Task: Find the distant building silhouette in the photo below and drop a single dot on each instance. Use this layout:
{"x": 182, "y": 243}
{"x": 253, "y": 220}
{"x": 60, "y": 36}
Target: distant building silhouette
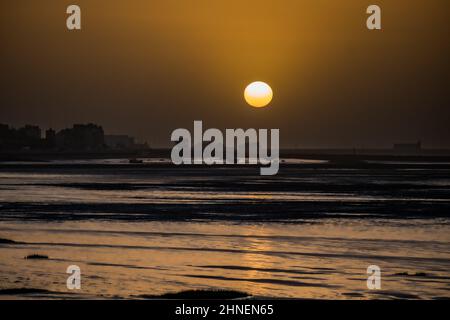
{"x": 30, "y": 133}
{"x": 118, "y": 142}
{"x": 81, "y": 137}
{"x": 6, "y": 135}
{"x": 27, "y": 137}
{"x": 50, "y": 138}
{"x": 408, "y": 147}
{"x": 5, "y": 132}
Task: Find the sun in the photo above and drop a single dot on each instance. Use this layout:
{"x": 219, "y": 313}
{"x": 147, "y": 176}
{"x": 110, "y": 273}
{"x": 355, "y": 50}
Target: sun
{"x": 258, "y": 94}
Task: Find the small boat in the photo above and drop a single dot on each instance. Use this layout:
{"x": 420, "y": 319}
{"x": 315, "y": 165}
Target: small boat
{"x": 134, "y": 161}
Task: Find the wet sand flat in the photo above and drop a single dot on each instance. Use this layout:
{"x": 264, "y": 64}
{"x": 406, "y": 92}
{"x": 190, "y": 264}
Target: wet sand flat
{"x": 310, "y": 232}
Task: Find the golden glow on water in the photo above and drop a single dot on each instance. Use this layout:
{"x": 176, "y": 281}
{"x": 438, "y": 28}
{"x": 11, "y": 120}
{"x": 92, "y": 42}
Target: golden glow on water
{"x": 326, "y": 260}
{"x": 304, "y": 257}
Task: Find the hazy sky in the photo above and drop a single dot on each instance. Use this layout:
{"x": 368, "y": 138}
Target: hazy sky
{"x": 148, "y": 67}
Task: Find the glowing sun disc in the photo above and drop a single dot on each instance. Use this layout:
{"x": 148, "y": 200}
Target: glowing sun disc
{"x": 258, "y": 94}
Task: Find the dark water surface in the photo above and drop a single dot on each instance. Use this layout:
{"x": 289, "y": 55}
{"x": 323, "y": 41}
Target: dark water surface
{"x": 309, "y": 232}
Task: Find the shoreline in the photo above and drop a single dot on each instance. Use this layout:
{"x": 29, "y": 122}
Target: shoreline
{"x": 332, "y": 155}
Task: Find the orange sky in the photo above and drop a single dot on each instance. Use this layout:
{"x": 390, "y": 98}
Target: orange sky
{"x": 149, "y": 67}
